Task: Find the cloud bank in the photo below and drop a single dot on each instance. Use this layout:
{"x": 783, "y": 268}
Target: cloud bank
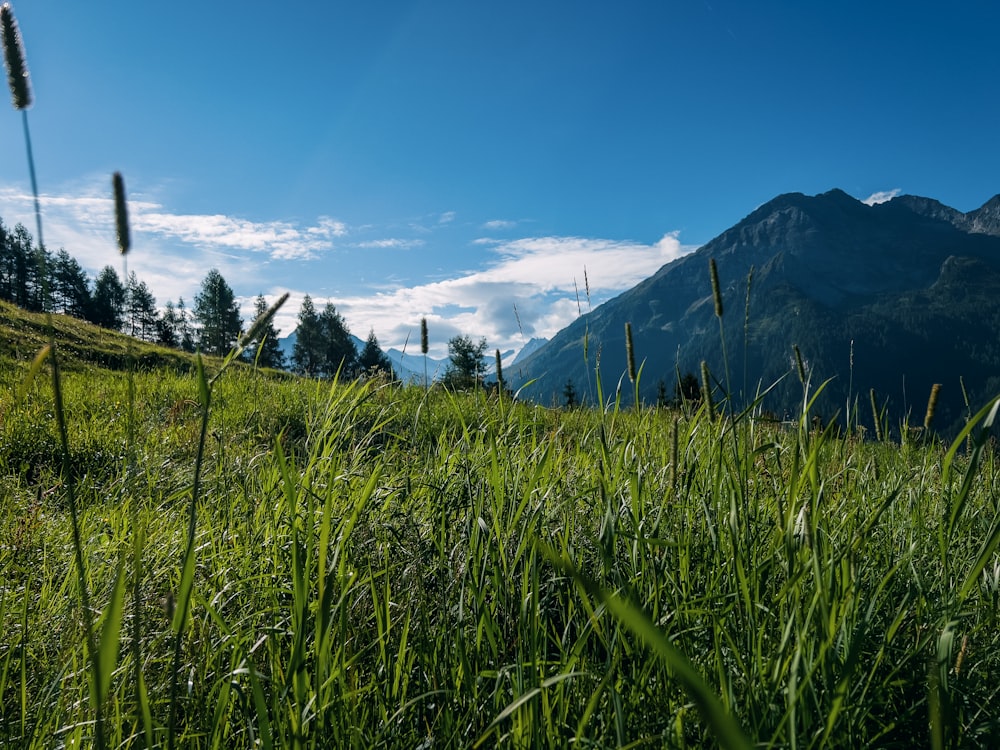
{"x": 507, "y": 291}
{"x": 533, "y": 287}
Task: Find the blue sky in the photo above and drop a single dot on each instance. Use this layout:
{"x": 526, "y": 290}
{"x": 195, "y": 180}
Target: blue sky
{"x": 458, "y": 159}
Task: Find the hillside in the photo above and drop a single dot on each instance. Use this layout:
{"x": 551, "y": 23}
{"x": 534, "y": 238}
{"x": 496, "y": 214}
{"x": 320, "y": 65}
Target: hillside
{"x": 23, "y": 334}
{"x": 910, "y": 285}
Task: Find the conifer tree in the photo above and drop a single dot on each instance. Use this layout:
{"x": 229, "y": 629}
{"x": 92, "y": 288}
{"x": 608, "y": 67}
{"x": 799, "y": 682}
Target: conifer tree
{"x": 307, "y": 354}
{"x": 185, "y": 334}
{"x": 140, "y": 310}
{"x": 167, "y": 332}
{"x": 70, "y": 286}
{"x": 107, "y": 307}
{"x": 265, "y": 349}
{"x": 372, "y": 360}
{"x": 217, "y": 314}
{"x": 339, "y": 352}
{"x": 465, "y": 365}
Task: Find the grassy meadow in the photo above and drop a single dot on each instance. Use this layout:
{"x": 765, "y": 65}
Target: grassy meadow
{"x": 271, "y": 562}
{"x": 209, "y": 555}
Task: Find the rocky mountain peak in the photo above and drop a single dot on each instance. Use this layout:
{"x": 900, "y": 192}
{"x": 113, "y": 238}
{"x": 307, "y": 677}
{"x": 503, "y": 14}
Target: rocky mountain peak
{"x": 910, "y": 286}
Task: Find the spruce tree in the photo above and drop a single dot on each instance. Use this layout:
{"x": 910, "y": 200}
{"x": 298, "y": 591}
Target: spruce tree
{"x": 185, "y": 333}
{"x": 465, "y": 365}
{"x": 107, "y": 307}
{"x": 167, "y": 328}
{"x": 307, "y": 355}
{"x": 265, "y": 350}
{"x": 218, "y": 315}
{"x": 372, "y": 361}
{"x": 339, "y": 352}
{"x": 70, "y": 286}
{"x": 140, "y": 310}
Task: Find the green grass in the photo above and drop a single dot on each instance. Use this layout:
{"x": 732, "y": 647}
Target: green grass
{"x": 377, "y": 566}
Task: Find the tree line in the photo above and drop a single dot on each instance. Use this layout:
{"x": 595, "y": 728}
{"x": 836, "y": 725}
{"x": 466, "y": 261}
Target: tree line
{"x": 37, "y": 280}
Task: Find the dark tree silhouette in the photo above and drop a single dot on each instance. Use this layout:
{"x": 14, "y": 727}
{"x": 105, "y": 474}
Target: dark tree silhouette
{"x": 372, "y": 360}
{"x": 107, "y": 307}
{"x": 167, "y": 327}
{"x": 70, "y": 286}
{"x": 185, "y": 333}
{"x": 465, "y": 365}
{"x": 339, "y": 353}
{"x": 216, "y": 312}
{"x": 687, "y": 389}
{"x": 140, "y": 310}
{"x": 265, "y": 349}
{"x": 569, "y": 395}
{"x": 307, "y": 354}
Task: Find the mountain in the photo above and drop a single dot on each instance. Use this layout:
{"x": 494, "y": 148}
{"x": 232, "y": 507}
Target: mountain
{"x": 896, "y": 297}
{"x": 528, "y": 349}
{"x": 409, "y": 366}
{"x": 287, "y": 345}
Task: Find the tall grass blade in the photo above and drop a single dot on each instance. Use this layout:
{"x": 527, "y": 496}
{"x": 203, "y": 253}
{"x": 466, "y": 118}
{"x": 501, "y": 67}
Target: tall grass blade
{"x": 725, "y": 728}
{"x": 29, "y": 377}
{"x": 107, "y": 649}
{"x": 987, "y": 415}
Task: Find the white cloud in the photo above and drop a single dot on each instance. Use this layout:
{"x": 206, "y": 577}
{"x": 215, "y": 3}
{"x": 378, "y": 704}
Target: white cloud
{"x": 281, "y": 240}
{"x": 539, "y": 275}
{"x": 499, "y": 224}
{"x": 392, "y": 243}
{"x": 447, "y": 217}
{"x": 881, "y": 196}
{"x": 172, "y": 252}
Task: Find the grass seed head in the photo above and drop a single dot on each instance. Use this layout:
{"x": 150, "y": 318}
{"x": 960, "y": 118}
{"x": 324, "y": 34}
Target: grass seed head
{"x": 706, "y": 389}
{"x": 716, "y": 289}
{"x": 14, "y": 59}
{"x": 799, "y": 364}
{"x": 121, "y": 214}
{"x": 931, "y": 405}
{"x": 499, "y": 371}
{"x": 629, "y": 352}
{"x": 876, "y": 416}
{"x": 424, "y": 341}
{"x": 261, "y": 323}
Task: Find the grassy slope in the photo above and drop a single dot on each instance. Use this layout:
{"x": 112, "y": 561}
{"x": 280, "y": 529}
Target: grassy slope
{"x": 388, "y": 577}
{"x": 22, "y": 334}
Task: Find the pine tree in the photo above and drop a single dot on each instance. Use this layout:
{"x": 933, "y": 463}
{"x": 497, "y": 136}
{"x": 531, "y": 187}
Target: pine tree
{"x": 7, "y": 264}
{"x": 29, "y": 271}
{"x": 185, "y": 334}
{"x": 372, "y": 361}
{"x": 167, "y": 326}
{"x": 465, "y": 366}
{"x": 569, "y": 395}
{"x": 140, "y": 310}
{"x": 307, "y": 354}
{"x": 70, "y": 286}
{"x": 265, "y": 350}
{"x": 217, "y": 314}
{"x": 339, "y": 352}
{"x": 107, "y": 307}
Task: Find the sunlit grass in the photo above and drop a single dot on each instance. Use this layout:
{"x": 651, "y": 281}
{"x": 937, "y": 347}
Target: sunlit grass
{"x": 384, "y": 566}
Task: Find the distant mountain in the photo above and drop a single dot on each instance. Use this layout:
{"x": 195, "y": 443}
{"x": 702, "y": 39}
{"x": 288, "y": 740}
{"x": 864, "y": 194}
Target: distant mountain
{"x": 895, "y": 297}
{"x": 528, "y": 349}
{"x": 287, "y": 345}
{"x": 409, "y": 366}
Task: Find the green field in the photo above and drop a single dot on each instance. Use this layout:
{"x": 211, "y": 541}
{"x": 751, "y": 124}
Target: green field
{"x": 372, "y": 565}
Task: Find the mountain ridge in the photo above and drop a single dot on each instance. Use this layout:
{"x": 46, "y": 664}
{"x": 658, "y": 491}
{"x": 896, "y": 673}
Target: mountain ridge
{"x": 831, "y": 274}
